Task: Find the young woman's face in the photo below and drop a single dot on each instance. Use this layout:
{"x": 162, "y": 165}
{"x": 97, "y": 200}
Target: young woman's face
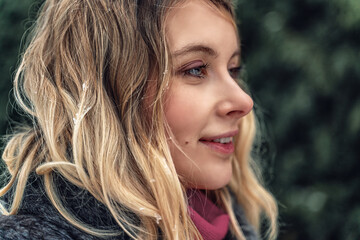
{"x": 204, "y": 102}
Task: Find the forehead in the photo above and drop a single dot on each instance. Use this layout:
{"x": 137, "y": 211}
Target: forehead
{"x": 198, "y": 21}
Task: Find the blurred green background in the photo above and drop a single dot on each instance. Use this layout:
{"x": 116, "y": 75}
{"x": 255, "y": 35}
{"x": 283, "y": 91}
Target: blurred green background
{"x": 303, "y": 69}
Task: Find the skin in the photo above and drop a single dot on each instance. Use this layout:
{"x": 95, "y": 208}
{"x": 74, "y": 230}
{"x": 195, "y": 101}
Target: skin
{"x": 204, "y": 100}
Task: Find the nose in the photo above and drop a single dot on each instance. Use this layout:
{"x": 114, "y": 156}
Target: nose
{"x": 235, "y": 102}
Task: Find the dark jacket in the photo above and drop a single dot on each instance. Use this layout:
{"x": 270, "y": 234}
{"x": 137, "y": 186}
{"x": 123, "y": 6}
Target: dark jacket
{"x": 38, "y": 219}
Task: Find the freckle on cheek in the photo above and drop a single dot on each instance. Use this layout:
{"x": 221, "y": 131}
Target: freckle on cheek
{"x": 186, "y": 142}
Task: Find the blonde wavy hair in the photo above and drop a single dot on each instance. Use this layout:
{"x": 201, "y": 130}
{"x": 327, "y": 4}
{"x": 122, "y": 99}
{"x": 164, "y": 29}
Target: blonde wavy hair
{"x": 82, "y": 80}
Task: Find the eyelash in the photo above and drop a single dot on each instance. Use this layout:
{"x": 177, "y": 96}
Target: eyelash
{"x": 203, "y": 71}
{"x": 235, "y": 72}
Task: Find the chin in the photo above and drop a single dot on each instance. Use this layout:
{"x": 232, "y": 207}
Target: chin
{"x": 211, "y": 183}
{"x": 216, "y": 185}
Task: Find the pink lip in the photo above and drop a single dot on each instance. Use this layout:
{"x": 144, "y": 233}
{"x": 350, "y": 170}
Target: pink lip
{"x": 228, "y": 134}
{"x": 223, "y": 148}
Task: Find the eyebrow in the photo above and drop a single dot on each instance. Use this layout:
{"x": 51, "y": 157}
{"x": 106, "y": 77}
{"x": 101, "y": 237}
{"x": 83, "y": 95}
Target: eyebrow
{"x": 201, "y": 48}
{"x": 195, "y": 48}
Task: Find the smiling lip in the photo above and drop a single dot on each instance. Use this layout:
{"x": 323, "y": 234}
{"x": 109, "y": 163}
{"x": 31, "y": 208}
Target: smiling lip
{"x": 223, "y": 148}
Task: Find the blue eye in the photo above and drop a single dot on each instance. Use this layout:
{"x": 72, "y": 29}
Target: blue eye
{"x": 236, "y": 72}
{"x": 199, "y": 72}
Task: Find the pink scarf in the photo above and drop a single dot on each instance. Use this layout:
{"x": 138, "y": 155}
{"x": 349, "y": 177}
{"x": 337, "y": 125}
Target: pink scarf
{"x": 211, "y": 221}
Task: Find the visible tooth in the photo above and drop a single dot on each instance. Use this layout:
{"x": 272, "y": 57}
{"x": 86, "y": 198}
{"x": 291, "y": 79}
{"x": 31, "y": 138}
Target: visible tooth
{"x": 223, "y": 140}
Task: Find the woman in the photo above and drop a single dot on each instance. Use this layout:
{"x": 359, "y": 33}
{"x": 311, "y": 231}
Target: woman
{"x": 139, "y": 127}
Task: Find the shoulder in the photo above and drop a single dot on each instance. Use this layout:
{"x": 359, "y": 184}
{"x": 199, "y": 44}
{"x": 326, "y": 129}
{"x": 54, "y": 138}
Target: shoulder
{"x": 26, "y": 227}
{"x": 30, "y": 227}
{"x": 38, "y": 218}
{"x": 246, "y": 227}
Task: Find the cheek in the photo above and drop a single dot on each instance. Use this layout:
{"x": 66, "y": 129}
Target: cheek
{"x": 179, "y": 115}
{"x": 183, "y": 113}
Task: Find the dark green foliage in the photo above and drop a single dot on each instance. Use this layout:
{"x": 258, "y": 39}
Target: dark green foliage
{"x": 16, "y": 17}
{"x": 303, "y": 62}
{"x": 303, "y": 67}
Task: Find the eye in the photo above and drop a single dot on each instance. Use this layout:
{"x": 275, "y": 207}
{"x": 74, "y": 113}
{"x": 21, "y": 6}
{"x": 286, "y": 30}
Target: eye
{"x": 236, "y": 72}
{"x": 197, "y": 71}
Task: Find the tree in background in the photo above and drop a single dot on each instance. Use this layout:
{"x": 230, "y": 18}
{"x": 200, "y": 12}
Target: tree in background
{"x": 303, "y": 69}
{"x": 303, "y": 60}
